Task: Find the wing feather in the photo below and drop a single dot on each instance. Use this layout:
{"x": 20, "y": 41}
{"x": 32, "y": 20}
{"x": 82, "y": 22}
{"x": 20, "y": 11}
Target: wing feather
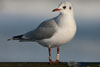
{"x": 45, "y": 30}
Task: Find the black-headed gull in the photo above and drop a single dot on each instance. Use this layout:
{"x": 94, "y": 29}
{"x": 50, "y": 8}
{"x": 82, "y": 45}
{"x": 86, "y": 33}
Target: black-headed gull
{"x": 53, "y": 32}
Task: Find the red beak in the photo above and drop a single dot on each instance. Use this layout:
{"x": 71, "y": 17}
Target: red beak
{"x": 56, "y": 10}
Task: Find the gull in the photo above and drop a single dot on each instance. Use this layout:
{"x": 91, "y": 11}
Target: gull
{"x": 53, "y": 32}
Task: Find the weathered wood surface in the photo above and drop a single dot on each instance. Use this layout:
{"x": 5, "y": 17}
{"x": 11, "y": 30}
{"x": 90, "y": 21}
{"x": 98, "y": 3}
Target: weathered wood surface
{"x": 45, "y": 64}
{"x": 31, "y": 64}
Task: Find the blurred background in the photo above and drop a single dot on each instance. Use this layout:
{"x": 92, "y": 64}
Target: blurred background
{"x": 20, "y": 16}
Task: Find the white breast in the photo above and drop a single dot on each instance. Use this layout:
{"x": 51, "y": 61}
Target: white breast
{"x": 65, "y": 32}
{"x": 66, "y": 29}
{"x": 63, "y": 35}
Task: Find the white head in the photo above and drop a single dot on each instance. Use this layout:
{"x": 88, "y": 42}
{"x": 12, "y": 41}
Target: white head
{"x": 65, "y": 8}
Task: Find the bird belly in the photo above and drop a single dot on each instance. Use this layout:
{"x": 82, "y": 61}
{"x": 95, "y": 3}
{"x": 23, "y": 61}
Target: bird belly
{"x": 61, "y": 37}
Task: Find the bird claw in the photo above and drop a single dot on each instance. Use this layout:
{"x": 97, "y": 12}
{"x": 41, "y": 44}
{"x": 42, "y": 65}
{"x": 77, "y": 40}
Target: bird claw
{"x": 56, "y": 62}
{"x": 53, "y": 62}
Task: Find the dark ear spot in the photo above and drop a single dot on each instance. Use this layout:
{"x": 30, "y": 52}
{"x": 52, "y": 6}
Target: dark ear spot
{"x": 70, "y": 7}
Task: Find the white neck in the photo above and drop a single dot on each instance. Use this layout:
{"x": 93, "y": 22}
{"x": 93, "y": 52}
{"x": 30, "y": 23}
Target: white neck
{"x": 65, "y": 19}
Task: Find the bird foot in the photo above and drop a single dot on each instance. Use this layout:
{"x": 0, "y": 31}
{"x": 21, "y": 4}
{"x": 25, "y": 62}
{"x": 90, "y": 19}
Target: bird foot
{"x": 56, "y": 62}
{"x": 51, "y": 62}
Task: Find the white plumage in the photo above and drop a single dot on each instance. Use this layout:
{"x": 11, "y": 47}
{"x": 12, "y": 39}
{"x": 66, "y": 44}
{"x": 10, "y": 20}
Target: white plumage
{"x": 53, "y": 32}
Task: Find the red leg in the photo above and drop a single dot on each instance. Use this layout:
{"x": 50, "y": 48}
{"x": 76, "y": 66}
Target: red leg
{"x": 50, "y": 57}
{"x": 57, "y": 57}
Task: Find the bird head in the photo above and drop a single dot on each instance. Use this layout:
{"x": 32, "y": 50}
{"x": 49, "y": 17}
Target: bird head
{"x": 64, "y": 8}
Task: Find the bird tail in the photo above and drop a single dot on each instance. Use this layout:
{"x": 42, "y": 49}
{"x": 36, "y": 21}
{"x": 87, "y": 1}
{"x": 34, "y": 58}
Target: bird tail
{"x": 19, "y": 37}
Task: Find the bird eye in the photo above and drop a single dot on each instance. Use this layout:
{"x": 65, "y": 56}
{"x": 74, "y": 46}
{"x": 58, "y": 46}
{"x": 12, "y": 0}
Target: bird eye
{"x": 64, "y": 7}
{"x": 70, "y": 8}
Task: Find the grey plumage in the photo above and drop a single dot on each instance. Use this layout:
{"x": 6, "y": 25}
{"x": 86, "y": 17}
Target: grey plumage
{"x": 54, "y": 32}
{"x": 45, "y": 30}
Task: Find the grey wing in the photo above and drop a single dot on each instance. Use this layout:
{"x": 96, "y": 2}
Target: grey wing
{"x": 45, "y": 30}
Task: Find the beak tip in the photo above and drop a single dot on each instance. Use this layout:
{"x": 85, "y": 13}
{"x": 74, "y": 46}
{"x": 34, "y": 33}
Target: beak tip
{"x": 56, "y": 10}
